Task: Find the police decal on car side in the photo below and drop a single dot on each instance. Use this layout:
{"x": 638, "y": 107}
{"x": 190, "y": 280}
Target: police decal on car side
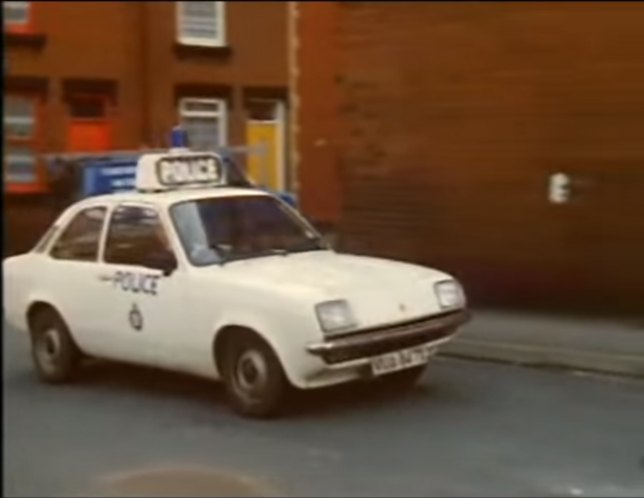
{"x": 136, "y": 282}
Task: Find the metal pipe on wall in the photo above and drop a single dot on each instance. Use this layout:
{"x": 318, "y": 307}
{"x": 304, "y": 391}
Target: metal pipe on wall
{"x": 292, "y": 47}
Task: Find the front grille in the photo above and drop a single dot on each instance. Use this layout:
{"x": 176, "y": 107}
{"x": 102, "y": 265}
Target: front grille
{"x": 375, "y": 349}
{"x": 388, "y": 345}
{"x": 419, "y": 323}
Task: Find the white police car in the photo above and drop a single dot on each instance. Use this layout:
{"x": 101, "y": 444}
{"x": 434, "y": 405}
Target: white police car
{"x": 188, "y": 274}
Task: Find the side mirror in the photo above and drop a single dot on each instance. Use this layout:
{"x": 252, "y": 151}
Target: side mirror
{"x": 166, "y": 262}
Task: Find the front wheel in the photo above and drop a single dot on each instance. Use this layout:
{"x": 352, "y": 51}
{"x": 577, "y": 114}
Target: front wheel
{"x": 254, "y": 378}
{"x": 55, "y": 354}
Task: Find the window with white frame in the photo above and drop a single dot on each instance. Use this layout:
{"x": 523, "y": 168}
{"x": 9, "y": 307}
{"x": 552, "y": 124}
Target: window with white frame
{"x": 19, "y": 139}
{"x": 15, "y": 14}
{"x": 204, "y": 121}
{"x": 201, "y": 23}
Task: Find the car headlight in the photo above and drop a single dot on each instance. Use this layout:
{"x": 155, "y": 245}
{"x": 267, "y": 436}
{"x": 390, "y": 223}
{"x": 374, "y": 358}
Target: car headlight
{"x": 449, "y": 294}
{"x": 335, "y": 316}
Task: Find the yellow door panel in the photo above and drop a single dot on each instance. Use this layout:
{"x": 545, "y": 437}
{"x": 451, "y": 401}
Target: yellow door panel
{"x": 263, "y": 164}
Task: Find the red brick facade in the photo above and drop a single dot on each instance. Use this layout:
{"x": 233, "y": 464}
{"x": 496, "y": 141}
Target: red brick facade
{"x": 445, "y": 122}
{"x": 128, "y": 58}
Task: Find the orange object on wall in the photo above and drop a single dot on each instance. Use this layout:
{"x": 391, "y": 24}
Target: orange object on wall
{"x": 89, "y": 129}
{"x": 88, "y": 136}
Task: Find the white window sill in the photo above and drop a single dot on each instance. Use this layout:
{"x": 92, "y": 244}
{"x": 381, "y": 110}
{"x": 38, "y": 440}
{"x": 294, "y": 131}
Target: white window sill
{"x": 200, "y": 42}
{"x": 185, "y": 50}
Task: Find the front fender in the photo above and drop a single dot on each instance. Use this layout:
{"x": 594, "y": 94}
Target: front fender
{"x": 288, "y": 336}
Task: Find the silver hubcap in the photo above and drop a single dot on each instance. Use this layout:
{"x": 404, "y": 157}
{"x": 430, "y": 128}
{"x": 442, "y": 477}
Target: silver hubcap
{"x": 251, "y": 374}
{"x": 48, "y": 348}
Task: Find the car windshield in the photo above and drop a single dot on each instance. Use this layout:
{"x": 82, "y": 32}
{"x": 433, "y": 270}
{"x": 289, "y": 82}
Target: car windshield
{"x": 221, "y": 229}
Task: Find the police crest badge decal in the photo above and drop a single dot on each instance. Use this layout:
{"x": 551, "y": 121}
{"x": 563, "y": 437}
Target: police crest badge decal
{"x": 136, "y": 318}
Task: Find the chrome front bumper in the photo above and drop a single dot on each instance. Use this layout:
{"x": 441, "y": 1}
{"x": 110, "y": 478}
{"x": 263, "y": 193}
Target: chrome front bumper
{"x": 381, "y": 340}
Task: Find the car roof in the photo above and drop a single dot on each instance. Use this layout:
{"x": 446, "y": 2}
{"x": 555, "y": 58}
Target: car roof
{"x": 170, "y": 197}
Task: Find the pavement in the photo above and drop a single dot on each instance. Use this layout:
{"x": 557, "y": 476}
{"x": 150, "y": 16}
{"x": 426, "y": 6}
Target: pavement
{"x": 608, "y": 346}
{"x": 468, "y": 429}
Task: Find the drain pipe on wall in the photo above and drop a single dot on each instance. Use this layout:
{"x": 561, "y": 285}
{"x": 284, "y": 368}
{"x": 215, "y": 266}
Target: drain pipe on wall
{"x": 293, "y": 72}
{"x": 144, "y": 14}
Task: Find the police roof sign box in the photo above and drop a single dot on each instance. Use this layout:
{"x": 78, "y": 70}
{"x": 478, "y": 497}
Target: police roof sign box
{"x": 179, "y": 169}
{"x": 159, "y": 170}
{"x": 186, "y": 170}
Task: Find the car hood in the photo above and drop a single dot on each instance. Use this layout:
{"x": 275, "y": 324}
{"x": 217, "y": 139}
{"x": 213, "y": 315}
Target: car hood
{"x": 378, "y": 290}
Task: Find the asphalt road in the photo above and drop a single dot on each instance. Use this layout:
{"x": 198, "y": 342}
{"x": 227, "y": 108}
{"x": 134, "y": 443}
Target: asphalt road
{"x": 470, "y": 429}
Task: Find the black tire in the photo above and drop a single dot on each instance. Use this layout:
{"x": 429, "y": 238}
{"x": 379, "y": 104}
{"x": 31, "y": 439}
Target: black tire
{"x": 255, "y": 382}
{"x": 55, "y": 355}
{"x": 404, "y": 379}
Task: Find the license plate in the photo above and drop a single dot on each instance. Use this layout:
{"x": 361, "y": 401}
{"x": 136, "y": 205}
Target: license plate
{"x": 399, "y": 360}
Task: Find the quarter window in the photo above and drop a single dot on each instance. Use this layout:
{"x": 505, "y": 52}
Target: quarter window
{"x": 204, "y": 121}
{"x": 135, "y": 236}
{"x": 201, "y": 23}
{"x": 80, "y": 239}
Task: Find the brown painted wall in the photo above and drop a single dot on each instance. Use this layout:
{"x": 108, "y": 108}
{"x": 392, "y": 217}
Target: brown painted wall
{"x": 453, "y": 115}
{"x": 132, "y": 46}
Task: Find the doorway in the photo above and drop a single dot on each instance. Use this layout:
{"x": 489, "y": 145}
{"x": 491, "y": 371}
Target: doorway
{"x": 265, "y": 137}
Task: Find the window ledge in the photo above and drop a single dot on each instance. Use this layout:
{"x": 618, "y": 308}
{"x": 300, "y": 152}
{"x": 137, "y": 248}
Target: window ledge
{"x": 25, "y": 188}
{"x": 26, "y": 39}
{"x": 183, "y": 49}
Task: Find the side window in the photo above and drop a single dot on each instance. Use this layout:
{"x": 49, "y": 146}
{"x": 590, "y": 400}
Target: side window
{"x": 80, "y": 238}
{"x": 136, "y": 237}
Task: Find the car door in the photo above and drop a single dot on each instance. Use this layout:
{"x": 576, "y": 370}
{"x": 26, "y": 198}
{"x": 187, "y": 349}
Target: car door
{"x": 142, "y": 287}
{"x": 68, "y": 272}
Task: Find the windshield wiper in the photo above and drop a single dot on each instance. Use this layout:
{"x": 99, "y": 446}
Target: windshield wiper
{"x": 252, "y": 255}
{"x": 316, "y": 244}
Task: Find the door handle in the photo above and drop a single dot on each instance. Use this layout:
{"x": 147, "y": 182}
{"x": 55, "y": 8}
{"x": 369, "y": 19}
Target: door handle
{"x": 105, "y": 278}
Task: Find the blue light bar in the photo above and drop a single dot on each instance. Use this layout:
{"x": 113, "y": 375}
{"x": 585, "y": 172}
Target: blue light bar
{"x": 178, "y": 138}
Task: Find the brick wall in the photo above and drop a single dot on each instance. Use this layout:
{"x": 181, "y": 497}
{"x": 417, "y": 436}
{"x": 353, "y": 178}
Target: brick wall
{"x": 131, "y": 49}
{"x": 452, "y": 116}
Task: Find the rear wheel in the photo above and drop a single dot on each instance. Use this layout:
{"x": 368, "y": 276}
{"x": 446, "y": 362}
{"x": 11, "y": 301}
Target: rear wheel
{"x": 55, "y": 354}
{"x": 254, "y": 378}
